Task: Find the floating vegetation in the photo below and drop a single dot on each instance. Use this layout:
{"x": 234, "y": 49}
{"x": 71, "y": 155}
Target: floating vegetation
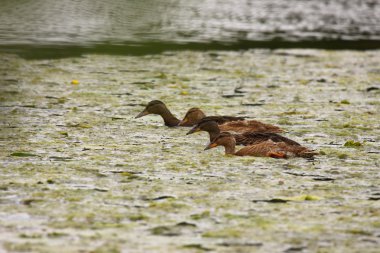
{"x": 298, "y": 198}
{"x": 80, "y": 174}
{"x": 23, "y": 154}
{"x": 352, "y": 144}
{"x": 75, "y": 82}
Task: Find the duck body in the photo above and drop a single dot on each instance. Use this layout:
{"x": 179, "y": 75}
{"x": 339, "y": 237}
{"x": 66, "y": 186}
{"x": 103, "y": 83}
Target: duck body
{"x": 273, "y": 149}
{"x": 266, "y": 148}
{"x": 222, "y": 119}
{"x": 256, "y": 138}
{"x": 228, "y": 123}
{"x": 244, "y": 126}
{"x": 247, "y": 138}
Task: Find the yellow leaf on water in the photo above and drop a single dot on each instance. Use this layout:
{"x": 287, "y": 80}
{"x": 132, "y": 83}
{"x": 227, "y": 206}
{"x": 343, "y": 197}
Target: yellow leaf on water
{"x": 312, "y": 197}
{"x": 304, "y": 197}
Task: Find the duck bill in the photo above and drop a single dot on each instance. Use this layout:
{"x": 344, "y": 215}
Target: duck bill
{"x": 211, "y": 145}
{"x": 184, "y": 122}
{"x": 193, "y": 130}
{"x": 142, "y": 114}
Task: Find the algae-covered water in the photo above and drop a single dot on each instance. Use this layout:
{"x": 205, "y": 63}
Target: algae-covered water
{"x": 80, "y": 174}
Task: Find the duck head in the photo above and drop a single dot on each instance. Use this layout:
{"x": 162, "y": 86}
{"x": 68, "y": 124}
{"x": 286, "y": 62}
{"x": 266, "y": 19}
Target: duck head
{"x": 192, "y": 117}
{"x": 209, "y": 126}
{"x": 159, "y": 108}
{"x": 224, "y": 139}
{"x": 153, "y": 107}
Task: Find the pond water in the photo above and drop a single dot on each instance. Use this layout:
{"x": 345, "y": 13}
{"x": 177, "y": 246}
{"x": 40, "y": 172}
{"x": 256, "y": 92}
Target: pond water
{"x": 139, "y": 26}
{"x": 80, "y": 174}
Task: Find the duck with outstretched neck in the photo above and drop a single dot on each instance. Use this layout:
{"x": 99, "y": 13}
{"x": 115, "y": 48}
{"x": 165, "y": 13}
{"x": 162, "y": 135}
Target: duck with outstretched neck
{"x": 248, "y": 138}
{"x": 264, "y": 149}
{"x": 159, "y": 108}
{"x": 195, "y": 116}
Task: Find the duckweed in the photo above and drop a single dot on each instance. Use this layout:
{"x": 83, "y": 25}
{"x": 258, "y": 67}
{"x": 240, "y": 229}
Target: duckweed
{"x": 80, "y": 174}
{"x": 352, "y": 143}
{"x": 224, "y": 233}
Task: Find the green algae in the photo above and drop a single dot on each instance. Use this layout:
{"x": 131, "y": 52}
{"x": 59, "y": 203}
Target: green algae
{"x": 23, "y": 154}
{"x": 84, "y": 168}
{"x": 352, "y": 144}
{"x": 224, "y": 233}
{"x": 199, "y": 216}
{"x": 197, "y": 247}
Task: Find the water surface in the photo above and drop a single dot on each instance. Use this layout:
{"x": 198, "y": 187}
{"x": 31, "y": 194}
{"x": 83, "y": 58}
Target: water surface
{"x": 121, "y": 26}
{"x": 80, "y": 173}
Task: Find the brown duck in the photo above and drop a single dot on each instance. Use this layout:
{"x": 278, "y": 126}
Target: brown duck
{"x": 159, "y": 108}
{"x": 248, "y": 138}
{"x": 265, "y": 149}
{"x": 228, "y": 123}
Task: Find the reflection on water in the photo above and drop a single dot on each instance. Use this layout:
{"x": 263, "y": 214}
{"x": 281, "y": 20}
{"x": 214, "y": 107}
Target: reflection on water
{"x": 90, "y": 22}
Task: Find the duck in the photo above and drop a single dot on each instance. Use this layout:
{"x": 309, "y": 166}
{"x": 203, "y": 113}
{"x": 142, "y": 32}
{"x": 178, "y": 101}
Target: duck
{"x": 159, "y": 108}
{"x": 195, "y": 116}
{"x": 267, "y": 148}
{"x": 247, "y": 138}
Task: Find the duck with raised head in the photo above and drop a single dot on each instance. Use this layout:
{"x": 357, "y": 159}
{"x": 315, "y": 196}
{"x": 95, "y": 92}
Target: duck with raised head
{"x": 264, "y": 149}
{"x": 159, "y": 108}
{"x": 228, "y": 123}
{"x": 248, "y": 138}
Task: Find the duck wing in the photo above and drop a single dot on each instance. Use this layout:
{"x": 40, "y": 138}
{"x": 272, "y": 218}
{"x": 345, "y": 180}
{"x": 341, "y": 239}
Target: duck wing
{"x": 221, "y": 119}
{"x": 255, "y": 138}
{"x": 292, "y": 150}
{"x": 244, "y": 126}
{"x": 260, "y": 149}
{"x": 276, "y": 150}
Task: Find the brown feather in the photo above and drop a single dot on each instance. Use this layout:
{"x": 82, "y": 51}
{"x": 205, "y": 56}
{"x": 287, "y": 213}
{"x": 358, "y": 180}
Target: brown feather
{"x": 255, "y": 138}
{"x": 266, "y": 148}
{"x": 244, "y": 126}
{"x": 222, "y": 119}
{"x": 269, "y": 147}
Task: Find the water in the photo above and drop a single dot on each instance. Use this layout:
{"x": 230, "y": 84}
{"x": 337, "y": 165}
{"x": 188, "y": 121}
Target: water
{"x": 79, "y": 173}
{"x": 92, "y": 178}
{"x": 123, "y": 26}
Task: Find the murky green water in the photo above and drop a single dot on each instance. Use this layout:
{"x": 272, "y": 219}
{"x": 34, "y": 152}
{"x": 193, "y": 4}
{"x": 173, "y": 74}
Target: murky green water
{"x": 80, "y": 174}
{"x": 93, "y": 21}
{"x": 44, "y": 28}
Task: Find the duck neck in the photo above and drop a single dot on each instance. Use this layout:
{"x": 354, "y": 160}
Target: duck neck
{"x": 169, "y": 119}
{"x": 214, "y": 132}
{"x": 230, "y": 148}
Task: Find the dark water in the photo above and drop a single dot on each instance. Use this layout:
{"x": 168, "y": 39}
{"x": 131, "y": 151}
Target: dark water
{"x": 139, "y": 26}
